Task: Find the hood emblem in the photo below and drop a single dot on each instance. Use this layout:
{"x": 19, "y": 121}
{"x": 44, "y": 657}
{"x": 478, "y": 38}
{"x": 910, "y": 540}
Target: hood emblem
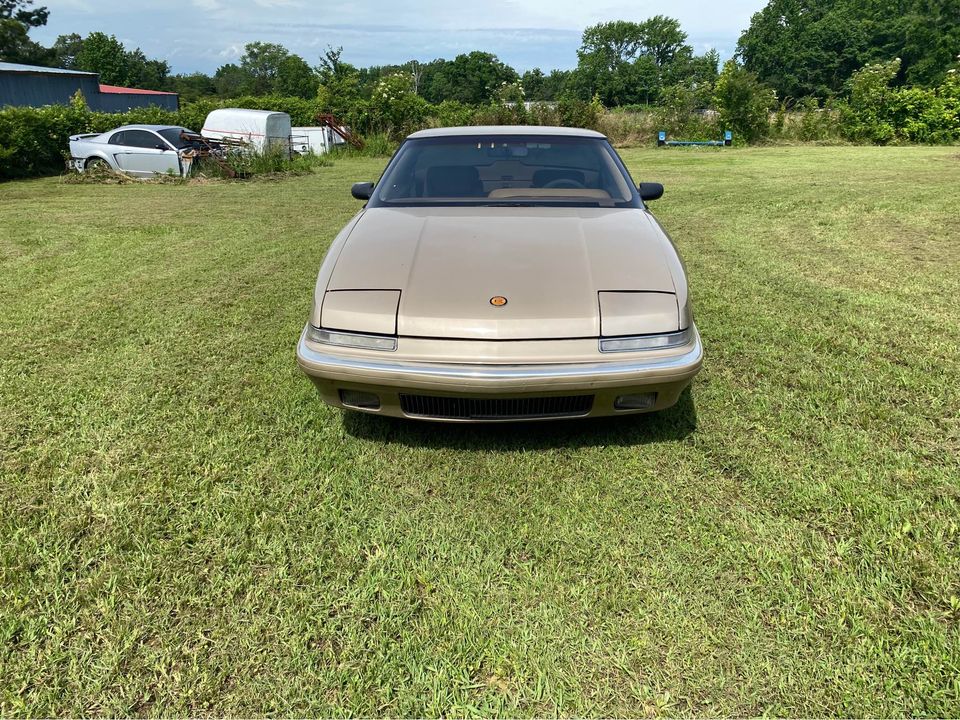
{"x": 498, "y": 301}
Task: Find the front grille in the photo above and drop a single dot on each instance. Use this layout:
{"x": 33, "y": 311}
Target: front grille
{"x": 456, "y": 408}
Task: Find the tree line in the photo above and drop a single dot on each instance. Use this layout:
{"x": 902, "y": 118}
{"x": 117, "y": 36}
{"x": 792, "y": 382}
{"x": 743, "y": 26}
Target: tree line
{"x": 886, "y": 71}
{"x": 620, "y": 62}
{"x": 799, "y": 48}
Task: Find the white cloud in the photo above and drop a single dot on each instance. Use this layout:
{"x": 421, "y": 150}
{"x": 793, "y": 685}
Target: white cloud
{"x": 231, "y": 52}
{"x": 274, "y": 4}
{"x": 208, "y": 5}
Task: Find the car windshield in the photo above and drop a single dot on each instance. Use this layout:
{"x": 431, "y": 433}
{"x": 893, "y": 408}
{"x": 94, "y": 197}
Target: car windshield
{"x": 506, "y": 170}
{"x": 172, "y": 136}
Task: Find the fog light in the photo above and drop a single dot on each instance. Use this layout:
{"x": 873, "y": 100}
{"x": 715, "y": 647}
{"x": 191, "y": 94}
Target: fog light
{"x": 359, "y": 399}
{"x": 640, "y": 401}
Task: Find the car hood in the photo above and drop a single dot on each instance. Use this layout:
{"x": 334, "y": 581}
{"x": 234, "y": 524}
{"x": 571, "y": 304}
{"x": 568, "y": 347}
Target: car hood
{"x": 549, "y": 263}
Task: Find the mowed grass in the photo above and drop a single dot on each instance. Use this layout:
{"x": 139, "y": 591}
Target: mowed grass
{"x": 186, "y": 530}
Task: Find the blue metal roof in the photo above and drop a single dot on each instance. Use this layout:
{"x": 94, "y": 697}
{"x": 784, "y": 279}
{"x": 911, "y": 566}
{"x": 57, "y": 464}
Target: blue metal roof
{"x": 17, "y": 67}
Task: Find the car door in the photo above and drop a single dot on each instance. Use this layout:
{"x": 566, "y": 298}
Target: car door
{"x": 144, "y": 153}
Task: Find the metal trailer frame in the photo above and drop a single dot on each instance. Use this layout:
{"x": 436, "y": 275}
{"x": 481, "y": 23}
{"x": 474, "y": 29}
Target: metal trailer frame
{"x": 663, "y": 142}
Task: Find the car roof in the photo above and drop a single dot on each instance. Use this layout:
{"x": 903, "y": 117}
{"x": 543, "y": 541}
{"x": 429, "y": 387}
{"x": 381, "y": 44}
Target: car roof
{"x": 146, "y": 127}
{"x": 505, "y": 130}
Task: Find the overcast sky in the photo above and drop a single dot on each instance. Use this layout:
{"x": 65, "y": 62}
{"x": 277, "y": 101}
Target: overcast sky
{"x": 204, "y": 34}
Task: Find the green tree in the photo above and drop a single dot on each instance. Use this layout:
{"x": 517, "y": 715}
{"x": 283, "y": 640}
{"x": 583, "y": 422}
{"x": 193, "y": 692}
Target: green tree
{"x": 17, "y": 18}
{"x": 23, "y": 12}
{"x": 930, "y": 33}
{"x": 744, "y": 103}
{"x": 296, "y": 78}
{"x": 230, "y": 80}
{"x": 143, "y": 72}
{"x": 534, "y": 84}
{"x": 696, "y": 73}
{"x": 627, "y": 62}
{"x": 865, "y": 117}
{"x": 662, "y": 39}
{"x": 880, "y": 113}
{"x": 261, "y": 62}
{"x": 104, "y": 54}
{"x": 340, "y": 85}
{"x": 812, "y": 47}
{"x": 65, "y": 50}
{"x": 803, "y": 47}
{"x": 395, "y": 107}
{"x": 555, "y": 85}
{"x": 538, "y": 87}
{"x": 472, "y": 78}
{"x": 192, "y": 87}
{"x": 676, "y": 111}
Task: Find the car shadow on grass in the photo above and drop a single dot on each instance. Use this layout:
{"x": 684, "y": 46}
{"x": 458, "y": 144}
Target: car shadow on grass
{"x": 672, "y": 424}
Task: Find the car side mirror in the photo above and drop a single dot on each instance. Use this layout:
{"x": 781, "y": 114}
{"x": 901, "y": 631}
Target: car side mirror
{"x": 362, "y": 190}
{"x": 650, "y": 191}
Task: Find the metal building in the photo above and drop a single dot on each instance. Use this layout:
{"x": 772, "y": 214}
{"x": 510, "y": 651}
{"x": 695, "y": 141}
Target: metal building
{"x": 36, "y": 86}
{"x": 120, "y": 99}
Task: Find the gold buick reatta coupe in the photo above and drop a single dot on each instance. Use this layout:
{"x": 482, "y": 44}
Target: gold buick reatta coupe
{"x": 502, "y": 273}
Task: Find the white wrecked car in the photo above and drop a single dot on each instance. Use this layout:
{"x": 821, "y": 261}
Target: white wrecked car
{"x": 138, "y": 150}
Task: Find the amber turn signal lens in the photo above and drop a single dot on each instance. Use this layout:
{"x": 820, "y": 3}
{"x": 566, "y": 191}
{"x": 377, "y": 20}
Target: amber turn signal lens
{"x": 498, "y": 301}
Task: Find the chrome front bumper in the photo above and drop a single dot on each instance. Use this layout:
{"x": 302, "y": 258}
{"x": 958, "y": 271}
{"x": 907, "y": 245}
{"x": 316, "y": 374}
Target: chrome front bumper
{"x": 666, "y": 374}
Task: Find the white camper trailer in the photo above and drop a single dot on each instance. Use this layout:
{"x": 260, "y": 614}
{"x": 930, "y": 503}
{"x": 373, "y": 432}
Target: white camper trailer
{"x": 257, "y": 129}
{"x": 316, "y": 140}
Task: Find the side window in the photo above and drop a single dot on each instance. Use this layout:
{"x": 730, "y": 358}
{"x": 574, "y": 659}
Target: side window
{"x": 142, "y": 139}
{"x": 117, "y": 138}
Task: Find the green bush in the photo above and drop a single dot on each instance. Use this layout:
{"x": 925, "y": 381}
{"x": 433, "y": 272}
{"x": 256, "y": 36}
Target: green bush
{"x": 500, "y": 114}
{"x": 817, "y": 123}
{"x": 865, "y": 116}
{"x": 806, "y": 121}
{"x": 743, "y": 102}
{"x": 374, "y": 145}
{"x": 36, "y": 141}
{"x": 572, "y": 112}
{"x": 269, "y": 161}
{"x": 395, "y": 109}
{"x": 451, "y": 113}
{"x": 881, "y": 114}
{"x": 678, "y": 115}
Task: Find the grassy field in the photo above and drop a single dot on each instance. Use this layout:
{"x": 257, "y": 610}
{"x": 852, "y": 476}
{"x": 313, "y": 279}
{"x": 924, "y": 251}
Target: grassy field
{"x": 186, "y": 530}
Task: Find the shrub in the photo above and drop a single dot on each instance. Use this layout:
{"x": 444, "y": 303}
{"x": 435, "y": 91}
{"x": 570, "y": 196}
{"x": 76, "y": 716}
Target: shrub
{"x": 677, "y": 109}
{"x": 374, "y": 145}
{"x": 499, "y": 114}
{"x": 395, "y": 109}
{"x": 629, "y": 128}
{"x": 573, "y": 112}
{"x": 880, "y": 114}
{"x": 817, "y": 123}
{"x": 678, "y": 115}
{"x": 35, "y": 141}
{"x": 743, "y": 102}
{"x": 450, "y": 113}
{"x": 268, "y": 161}
{"x": 865, "y": 116}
